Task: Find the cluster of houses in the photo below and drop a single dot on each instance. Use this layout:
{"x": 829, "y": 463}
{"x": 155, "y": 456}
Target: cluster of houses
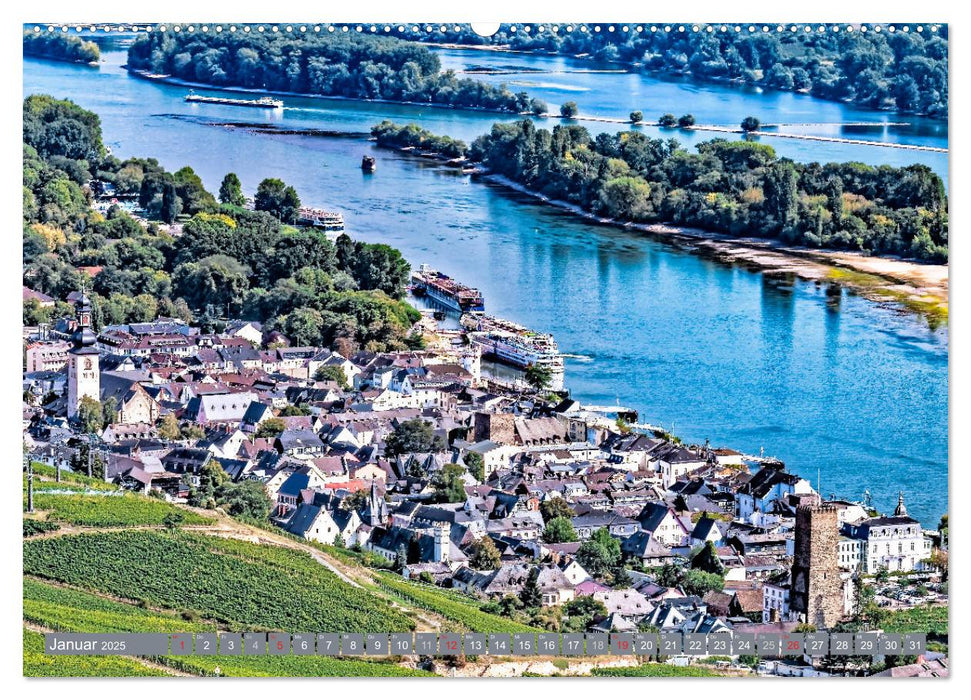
{"x": 316, "y": 440}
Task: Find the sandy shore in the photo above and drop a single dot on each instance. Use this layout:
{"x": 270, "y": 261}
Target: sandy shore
{"x": 915, "y": 286}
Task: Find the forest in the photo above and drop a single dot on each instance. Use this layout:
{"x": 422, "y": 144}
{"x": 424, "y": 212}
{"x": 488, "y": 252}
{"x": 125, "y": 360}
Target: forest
{"x": 736, "y": 187}
{"x": 228, "y": 260}
{"x": 60, "y": 47}
{"x": 344, "y": 65}
{"x": 904, "y": 70}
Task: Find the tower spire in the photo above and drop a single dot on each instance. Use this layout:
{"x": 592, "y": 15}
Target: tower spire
{"x": 901, "y": 509}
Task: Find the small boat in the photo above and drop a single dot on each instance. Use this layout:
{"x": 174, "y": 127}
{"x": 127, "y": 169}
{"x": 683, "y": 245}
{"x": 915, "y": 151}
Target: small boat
{"x": 369, "y": 164}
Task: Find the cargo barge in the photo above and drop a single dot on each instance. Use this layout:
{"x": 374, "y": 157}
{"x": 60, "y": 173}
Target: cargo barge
{"x": 511, "y": 343}
{"x": 264, "y": 102}
{"x": 443, "y": 290}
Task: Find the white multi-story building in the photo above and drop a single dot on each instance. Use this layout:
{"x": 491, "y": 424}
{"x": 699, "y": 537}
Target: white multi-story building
{"x": 893, "y": 543}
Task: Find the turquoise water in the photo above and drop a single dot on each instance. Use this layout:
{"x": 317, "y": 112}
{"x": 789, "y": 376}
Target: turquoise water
{"x": 820, "y": 378}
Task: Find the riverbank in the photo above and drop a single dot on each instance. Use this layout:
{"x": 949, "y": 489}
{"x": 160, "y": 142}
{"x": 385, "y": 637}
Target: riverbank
{"x": 917, "y": 287}
{"x": 169, "y": 80}
{"x": 639, "y": 67}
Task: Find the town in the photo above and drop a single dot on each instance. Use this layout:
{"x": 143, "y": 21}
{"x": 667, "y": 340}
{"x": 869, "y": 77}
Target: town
{"x": 510, "y": 493}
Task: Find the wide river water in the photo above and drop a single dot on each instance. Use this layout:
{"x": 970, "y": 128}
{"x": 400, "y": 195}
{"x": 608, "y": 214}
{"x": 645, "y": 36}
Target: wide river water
{"x": 828, "y": 382}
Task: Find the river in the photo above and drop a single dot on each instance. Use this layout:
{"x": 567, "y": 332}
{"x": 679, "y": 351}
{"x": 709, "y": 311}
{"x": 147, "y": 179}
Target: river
{"x": 824, "y": 380}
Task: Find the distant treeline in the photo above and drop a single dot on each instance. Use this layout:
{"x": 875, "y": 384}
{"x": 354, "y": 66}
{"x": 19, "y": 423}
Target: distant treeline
{"x": 905, "y": 71}
{"x": 735, "y": 187}
{"x": 60, "y": 47}
{"x": 228, "y": 261}
{"x": 342, "y": 65}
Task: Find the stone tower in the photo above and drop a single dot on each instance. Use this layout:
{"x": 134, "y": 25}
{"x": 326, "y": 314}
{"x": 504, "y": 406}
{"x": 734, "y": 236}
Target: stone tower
{"x": 83, "y": 370}
{"x": 817, "y": 593}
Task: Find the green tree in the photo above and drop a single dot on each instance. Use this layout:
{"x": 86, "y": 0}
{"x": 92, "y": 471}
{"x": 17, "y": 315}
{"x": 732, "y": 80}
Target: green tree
{"x": 484, "y": 555}
{"x": 600, "y": 553}
{"x": 569, "y": 109}
{"x": 270, "y": 428}
{"x": 277, "y": 198}
{"x": 556, "y": 507}
{"x": 698, "y": 582}
{"x": 686, "y": 120}
{"x": 475, "y": 464}
{"x": 333, "y": 373}
{"x": 559, "y": 530}
{"x": 531, "y": 596}
{"x": 667, "y": 120}
{"x": 538, "y": 376}
{"x": 246, "y": 498}
{"x": 415, "y": 435}
{"x": 90, "y": 415}
{"x": 448, "y": 484}
{"x": 538, "y": 107}
{"x": 231, "y": 191}
{"x": 707, "y": 560}
{"x": 637, "y": 116}
{"x": 173, "y": 520}
{"x": 750, "y": 124}
{"x": 109, "y": 411}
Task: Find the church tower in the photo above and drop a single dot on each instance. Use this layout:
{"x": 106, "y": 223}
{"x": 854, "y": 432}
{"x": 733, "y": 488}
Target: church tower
{"x": 83, "y": 371}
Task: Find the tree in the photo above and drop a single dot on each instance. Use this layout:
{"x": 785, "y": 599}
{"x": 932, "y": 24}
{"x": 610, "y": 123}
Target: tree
{"x": 698, "y": 582}
{"x": 559, "y": 530}
{"x": 538, "y": 107}
{"x": 707, "y": 560}
{"x": 109, "y": 411}
{"x": 484, "y": 555}
{"x": 270, "y": 428}
{"x": 531, "y": 596}
{"x": 415, "y": 435}
{"x": 211, "y": 478}
{"x": 168, "y": 428}
{"x": 636, "y": 117}
{"x": 246, "y": 498}
{"x": 277, "y": 198}
{"x": 173, "y": 520}
{"x": 476, "y": 465}
{"x": 90, "y": 416}
{"x": 170, "y": 206}
{"x": 600, "y": 553}
{"x": 231, "y": 191}
{"x": 667, "y": 120}
{"x": 750, "y": 124}
{"x": 538, "y": 376}
{"x": 686, "y": 120}
{"x": 448, "y": 484}
{"x": 556, "y": 507}
{"x": 568, "y": 110}
{"x": 333, "y": 373}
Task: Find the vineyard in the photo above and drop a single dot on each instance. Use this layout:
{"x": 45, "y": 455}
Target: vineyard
{"x": 71, "y": 610}
{"x": 69, "y": 478}
{"x": 39, "y": 664}
{"x": 929, "y": 619}
{"x": 239, "y": 584}
{"x": 76, "y": 611}
{"x": 451, "y": 606}
{"x": 111, "y": 511}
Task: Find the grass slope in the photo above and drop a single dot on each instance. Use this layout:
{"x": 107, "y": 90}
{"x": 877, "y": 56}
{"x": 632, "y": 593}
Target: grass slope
{"x": 39, "y": 664}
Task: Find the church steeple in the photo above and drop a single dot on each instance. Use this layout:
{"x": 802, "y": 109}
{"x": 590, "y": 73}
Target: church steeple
{"x": 83, "y": 371}
{"x": 901, "y": 509}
